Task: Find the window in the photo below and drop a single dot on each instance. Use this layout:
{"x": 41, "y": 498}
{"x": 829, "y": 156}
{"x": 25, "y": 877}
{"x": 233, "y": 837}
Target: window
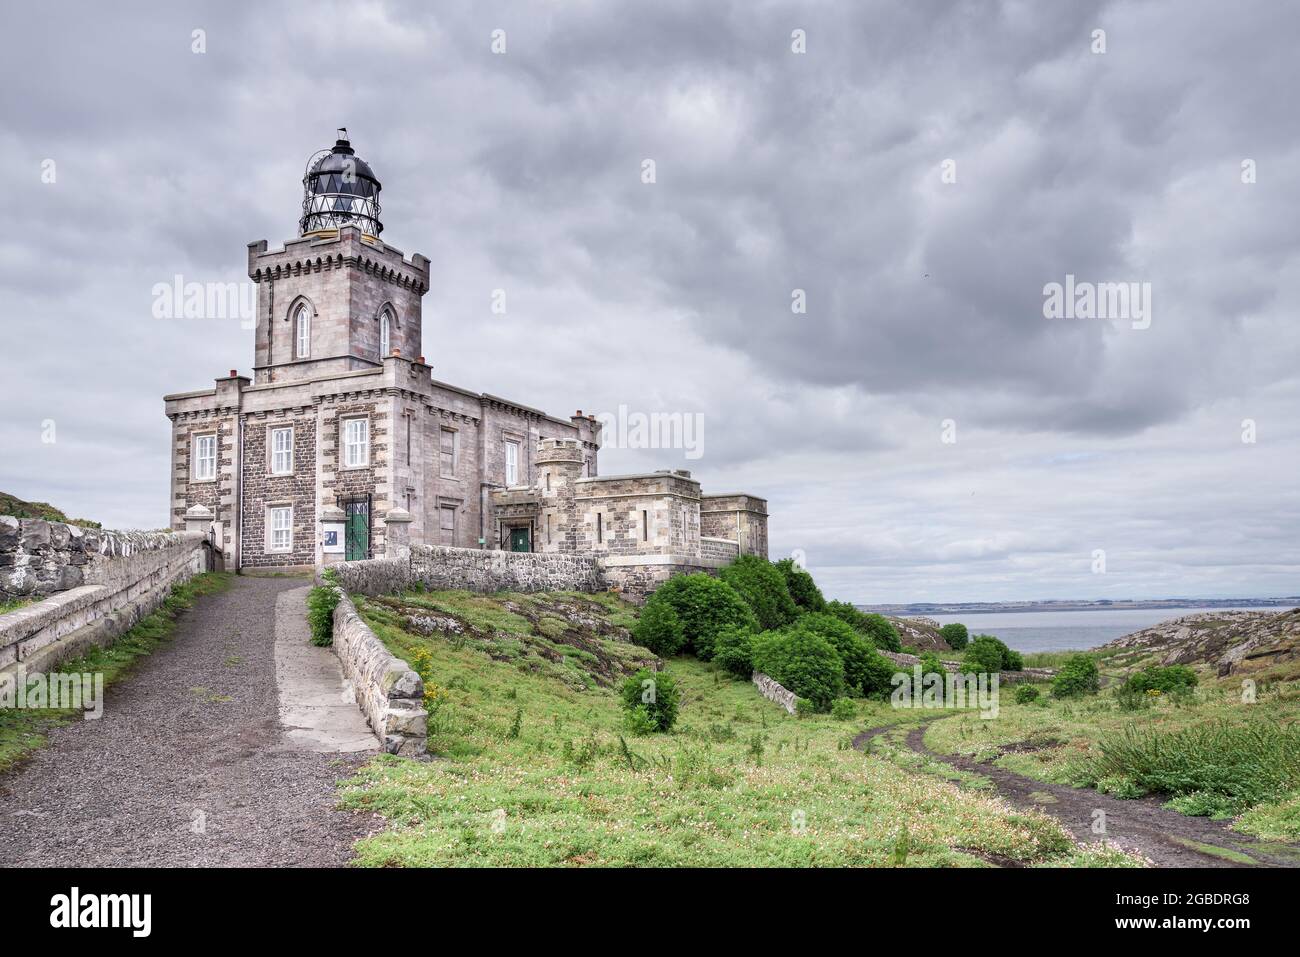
{"x": 645, "y": 525}
{"x": 447, "y": 524}
{"x": 512, "y": 463}
{"x": 302, "y": 333}
{"x": 548, "y": 528}
{"x": 356, "y": 443}
{"x": 447, "y": 453}
{"x": 282, "y": 451}
{"x": 281, "y": 530}
{"x": 385, "y": 335}
{"x": 600, "y": 528}
{"x": 205, "y": 458}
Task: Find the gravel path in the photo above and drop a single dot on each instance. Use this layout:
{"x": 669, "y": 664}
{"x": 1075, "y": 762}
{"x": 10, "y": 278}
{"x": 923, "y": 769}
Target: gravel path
{"x": 188, "y": 766}
{"x": 1165, "y": 837}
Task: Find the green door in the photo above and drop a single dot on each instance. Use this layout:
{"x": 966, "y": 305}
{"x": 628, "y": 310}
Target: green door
{"x": 519, "y": 540}
{"x": 356, "y": 533}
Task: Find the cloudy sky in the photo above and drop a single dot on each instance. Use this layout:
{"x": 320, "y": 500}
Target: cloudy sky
{"x": 923, "y": 432}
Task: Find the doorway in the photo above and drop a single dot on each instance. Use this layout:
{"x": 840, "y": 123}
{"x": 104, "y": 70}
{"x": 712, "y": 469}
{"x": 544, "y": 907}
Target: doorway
{"x": 356, "y": 530}
{"x": 520, "y": 540}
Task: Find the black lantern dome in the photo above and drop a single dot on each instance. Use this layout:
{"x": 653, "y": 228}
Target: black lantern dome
{"x": 339, "y": 189}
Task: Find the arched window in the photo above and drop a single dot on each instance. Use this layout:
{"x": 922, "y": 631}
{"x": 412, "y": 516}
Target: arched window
{"x": 385, "y": 334}
{"x": 302, "y": 333}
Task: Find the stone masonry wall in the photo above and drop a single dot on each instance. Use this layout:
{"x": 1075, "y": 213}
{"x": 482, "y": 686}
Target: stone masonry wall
{"x": 96, "y": 584}
{"x": 770, "y": 689}
{"x": 389, "y": 693}
{"x": 262, "y": 489}
{"x": 440, "y": 566}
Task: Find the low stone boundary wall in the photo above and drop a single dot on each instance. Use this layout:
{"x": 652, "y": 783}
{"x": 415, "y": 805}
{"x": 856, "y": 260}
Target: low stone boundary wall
{"x": 719, "y": 550}
{"x": 120, "y": 577}
{"x": 1006, "y": 677}
{"x": 489, "y": 570}
{"x": 389, "y": 693}
{"x": 770, "y": 689}
{"x": 374, "y": 576}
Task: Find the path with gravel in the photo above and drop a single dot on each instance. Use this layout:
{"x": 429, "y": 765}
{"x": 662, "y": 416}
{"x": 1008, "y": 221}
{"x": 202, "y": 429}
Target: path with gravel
{"x": 201, "y": 757}
{"x": 1165, "y": 837}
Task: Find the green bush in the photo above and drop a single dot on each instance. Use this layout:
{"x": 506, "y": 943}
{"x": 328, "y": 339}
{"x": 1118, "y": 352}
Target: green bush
{"x": 1077, "y": 677}
{"x": 1026, "y": 694}
{"x": 650, "y": 699}
{"x": 763, "y": 588}
{"x": 852, "y": 648}
{"x": 321, "y": 602}
{"x": 956, "y": 635}
{"x": 659, "y": 628}
{"x": 843, "y": 709}
{"x": 733, "y": 650}
{"x": 802, "y": 661}
{"x": 882, "y": 633}
{"x": 704, "y": 605}
{"x": 1166, "y": 679}
{"x": 987, "y": 654}
{"x": 802, "y": 588}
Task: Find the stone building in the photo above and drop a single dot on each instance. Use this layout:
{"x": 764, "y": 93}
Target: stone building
{"x": 342, "y": 445}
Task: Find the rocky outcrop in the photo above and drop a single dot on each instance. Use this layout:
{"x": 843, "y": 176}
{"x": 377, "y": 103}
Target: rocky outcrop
{"x": 1228, "y": 641}
{"x": 920, "y": 633}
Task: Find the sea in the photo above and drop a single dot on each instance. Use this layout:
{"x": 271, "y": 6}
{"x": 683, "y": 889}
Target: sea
{"x": 1029, "y": 631}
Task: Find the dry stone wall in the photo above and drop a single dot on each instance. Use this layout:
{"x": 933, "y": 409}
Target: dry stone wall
{"x": 388, "y": 691}
{"x": 489, "y": 570}
{"x": 95, "y": 585}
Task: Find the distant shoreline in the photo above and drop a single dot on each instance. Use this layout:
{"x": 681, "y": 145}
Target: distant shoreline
{"x": 1000, "y": 608}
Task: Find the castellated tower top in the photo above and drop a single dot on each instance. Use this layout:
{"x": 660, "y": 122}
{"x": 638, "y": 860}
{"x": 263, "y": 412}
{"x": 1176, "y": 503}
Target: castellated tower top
{"x": 339, "y": 189}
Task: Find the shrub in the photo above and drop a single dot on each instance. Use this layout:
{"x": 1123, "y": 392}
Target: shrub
{"x": 1163, "y": 678}
{"x": 733, "y": 650}
{"x": 650, "y": 699}
{"x": 321, "y": 602}
{"x": 882, "y": 633}
{"x": 843, "y": 709}
{"x": 956, "y": 635}
{"x": 659, "y": 628}
{"x": 1026, "y": 694}
{"x": 763, "y": 588}
{"x": 802, "y": 661}
{"x": 1077, "y": 677}
{"x": 704, "y": 605}
{"x": 878, "y": 680}
{"x": 848, "y": 643}
{"x": 802, "y": 588}
{"x": 988, "y": 654}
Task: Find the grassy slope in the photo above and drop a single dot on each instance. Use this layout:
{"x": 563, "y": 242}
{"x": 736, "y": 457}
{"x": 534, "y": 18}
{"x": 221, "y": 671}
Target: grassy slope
{"x": 737, "y": 783}
{"x": 23, "y": 731}
{"x": 13, "y": 505}
{"x": 1062, "y": 736}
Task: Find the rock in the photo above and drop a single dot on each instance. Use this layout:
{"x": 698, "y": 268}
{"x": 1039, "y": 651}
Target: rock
{"x": 9, "y": 533}
{"x": 35, "y": 533}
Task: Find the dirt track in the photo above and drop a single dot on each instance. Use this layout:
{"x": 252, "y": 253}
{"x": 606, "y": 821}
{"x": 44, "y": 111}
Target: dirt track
{"x": 1165, "y": 837}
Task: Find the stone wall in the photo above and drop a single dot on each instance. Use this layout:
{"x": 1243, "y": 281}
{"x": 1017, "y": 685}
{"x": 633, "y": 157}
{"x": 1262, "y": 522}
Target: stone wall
{"x": 389, "y": 693}
{"x": 719, "y": 550}
{"x": 98, "y": 583}
{"x": 377, "y": 576}
{"x": 772, "y": 691}
{"x": 441, "y": 566}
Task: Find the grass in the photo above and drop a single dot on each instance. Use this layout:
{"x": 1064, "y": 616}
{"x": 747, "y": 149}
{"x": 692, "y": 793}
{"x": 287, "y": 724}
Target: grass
{"x": 1212, "y": 752}
{"x": 537, "y": 769}
{"x": 23, "y": 731}
{"x": 13, "y": 604}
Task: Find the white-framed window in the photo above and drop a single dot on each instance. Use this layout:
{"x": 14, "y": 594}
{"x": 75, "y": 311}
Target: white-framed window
{"x": 282, "y": 451}
{"x": 385, "y": 334}
{"x": 302, "y": 333}
{"x": 447, "y": 453}
{"x": 447, "y": 524}
{"x": 281, "y": 529}
{"x": 205, "y": 458}
{"x": 512, "y": 463}
{"x": 356, "y": 443}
